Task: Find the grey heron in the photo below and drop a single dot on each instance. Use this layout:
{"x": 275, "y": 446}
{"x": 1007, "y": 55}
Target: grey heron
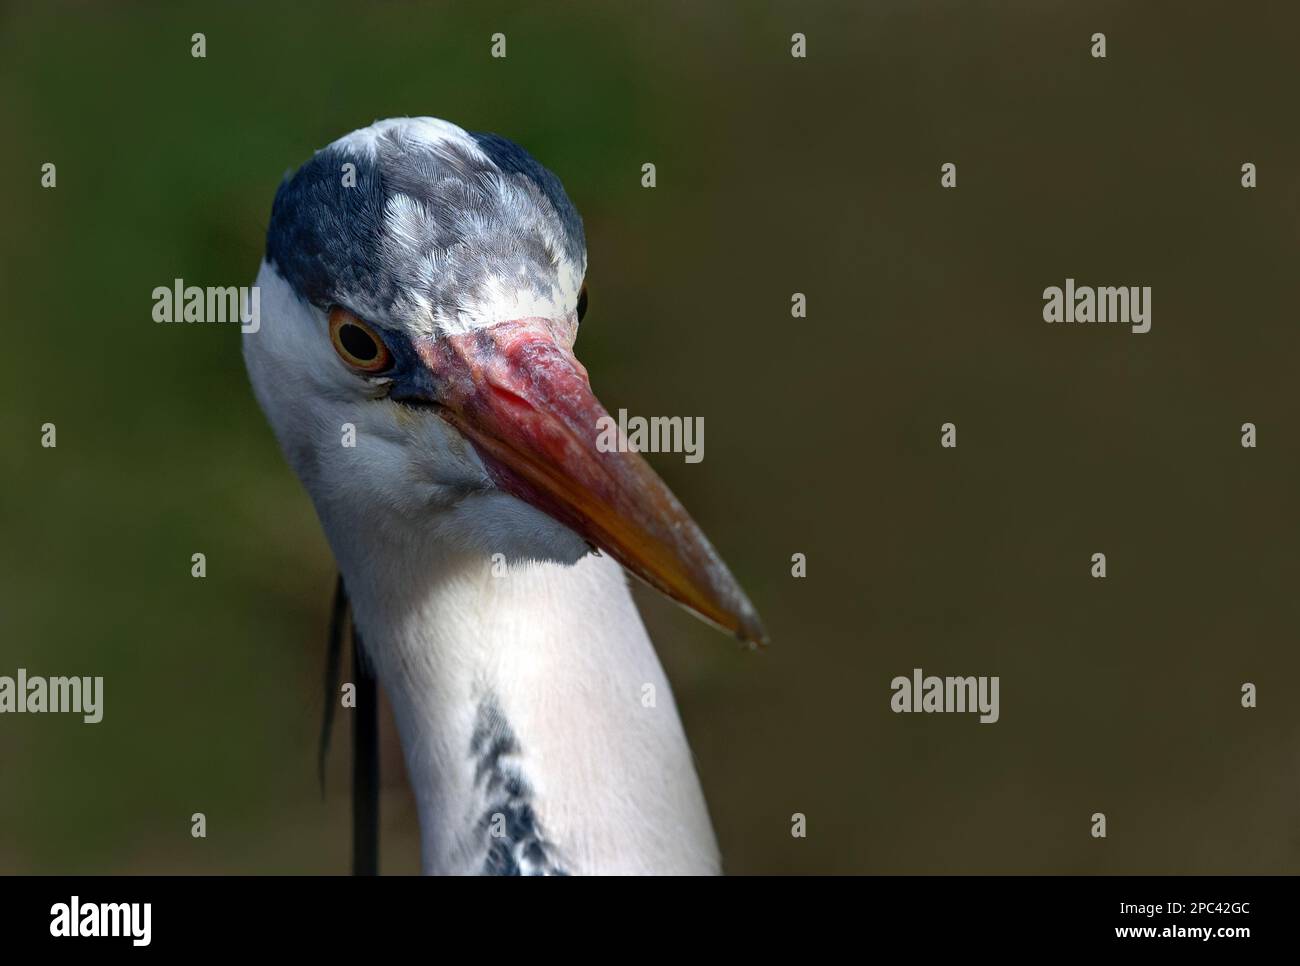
{"x": 422, "y": 288}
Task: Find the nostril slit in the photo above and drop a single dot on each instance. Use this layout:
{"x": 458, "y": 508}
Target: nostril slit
{"x": 512, "y": 398}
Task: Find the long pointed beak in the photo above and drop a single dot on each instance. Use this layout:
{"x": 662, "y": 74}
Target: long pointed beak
{"x": 519, "y": 395}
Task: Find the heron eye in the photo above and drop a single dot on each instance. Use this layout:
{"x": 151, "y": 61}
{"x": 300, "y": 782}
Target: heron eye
{"x": 582, "y": 302}
{"x": 357, "y": 343}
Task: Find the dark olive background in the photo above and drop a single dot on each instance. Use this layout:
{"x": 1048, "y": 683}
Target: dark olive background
{"x": 775, "y": 175}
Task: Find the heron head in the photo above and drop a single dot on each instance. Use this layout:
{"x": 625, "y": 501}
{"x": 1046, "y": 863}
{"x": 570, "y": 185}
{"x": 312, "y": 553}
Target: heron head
{"x": 420, "y": 297}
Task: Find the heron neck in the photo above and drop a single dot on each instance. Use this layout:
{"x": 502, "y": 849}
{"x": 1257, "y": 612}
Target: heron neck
{"x": 539, "y": 730}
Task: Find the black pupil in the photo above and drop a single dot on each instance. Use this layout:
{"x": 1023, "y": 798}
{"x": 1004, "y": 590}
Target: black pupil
{"x": 359, "y": 345}
{"x": 582, "y": 303}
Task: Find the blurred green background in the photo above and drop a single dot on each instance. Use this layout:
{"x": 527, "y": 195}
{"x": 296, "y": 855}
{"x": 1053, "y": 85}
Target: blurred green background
{"x": 775, "y": 175}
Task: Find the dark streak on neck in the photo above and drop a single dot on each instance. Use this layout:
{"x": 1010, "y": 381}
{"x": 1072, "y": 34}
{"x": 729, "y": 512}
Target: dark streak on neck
{"x": 516, "y": 844}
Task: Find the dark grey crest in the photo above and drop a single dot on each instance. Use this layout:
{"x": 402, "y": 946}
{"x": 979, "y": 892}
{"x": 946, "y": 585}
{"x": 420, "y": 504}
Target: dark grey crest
{"x": 337, "y": 245}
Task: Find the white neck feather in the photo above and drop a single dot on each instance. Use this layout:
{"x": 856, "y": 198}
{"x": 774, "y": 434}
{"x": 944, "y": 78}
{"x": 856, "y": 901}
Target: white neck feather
{"x": 524, "y": 701}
